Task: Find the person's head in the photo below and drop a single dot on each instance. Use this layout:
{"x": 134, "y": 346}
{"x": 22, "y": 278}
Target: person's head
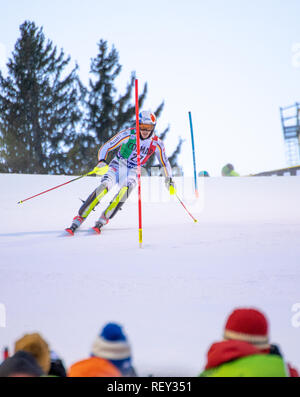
{"x": 37, "y": 347}
{"x": 248, "y": 325}
{"x": 112, "y": 344}
{"x": 147, "y": 123}
{"x": 203, "y": 173}
{"x": 227, "y": 169}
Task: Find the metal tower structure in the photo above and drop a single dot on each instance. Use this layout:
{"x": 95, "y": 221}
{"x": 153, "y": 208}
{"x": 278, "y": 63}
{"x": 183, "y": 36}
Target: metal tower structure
{"x": 290, "y": 119}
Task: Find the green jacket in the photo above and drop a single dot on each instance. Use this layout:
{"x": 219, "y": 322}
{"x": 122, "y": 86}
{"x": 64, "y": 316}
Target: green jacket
{"x": 233, "y": 173}
{"x": 228, "y": 170}
{"x": 257, "y": 365}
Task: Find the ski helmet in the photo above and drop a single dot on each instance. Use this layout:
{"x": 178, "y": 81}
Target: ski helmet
{"x": 147, "y": 119}
{"x": 203, "y": 173}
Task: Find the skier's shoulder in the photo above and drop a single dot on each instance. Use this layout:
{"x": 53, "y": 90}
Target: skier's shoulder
{"x": 158, "y": 142}
{"x": 125, "y": 133}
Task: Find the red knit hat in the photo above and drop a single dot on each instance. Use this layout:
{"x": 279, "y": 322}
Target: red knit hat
{"x": 248, "y": 325}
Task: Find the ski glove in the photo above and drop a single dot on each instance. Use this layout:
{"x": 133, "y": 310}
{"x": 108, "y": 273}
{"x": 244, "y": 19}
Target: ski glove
{"x": 170, "y": 184}
{"x": 100, "y": 169}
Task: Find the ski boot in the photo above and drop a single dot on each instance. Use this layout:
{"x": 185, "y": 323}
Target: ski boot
{"x": 77, "y": 221}
{"x": 100, "y": 223}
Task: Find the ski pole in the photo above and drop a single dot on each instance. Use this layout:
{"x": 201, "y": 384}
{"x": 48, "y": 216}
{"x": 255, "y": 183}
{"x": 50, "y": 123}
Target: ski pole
{"x": 55, "y": 187}
{"x": 194, "y": 219}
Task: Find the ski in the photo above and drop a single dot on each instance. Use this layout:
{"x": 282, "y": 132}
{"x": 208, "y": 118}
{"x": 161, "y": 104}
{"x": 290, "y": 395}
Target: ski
{"x": 93, "y": 231}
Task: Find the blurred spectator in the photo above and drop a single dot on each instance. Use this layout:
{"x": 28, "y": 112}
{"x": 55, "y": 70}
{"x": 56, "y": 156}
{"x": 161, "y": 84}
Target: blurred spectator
{"x": 112, "y": 344}
{"x": 57, "y": 367}
{"x": 203, "y": 173}
{"x": 37, "y": 347}
{"x": 94, "y": 367}
{"x": 228, "y": 170}
{"x": 21, "y": 364}
{"x": 246, "y": 350}
{"x": 5, "y": 353}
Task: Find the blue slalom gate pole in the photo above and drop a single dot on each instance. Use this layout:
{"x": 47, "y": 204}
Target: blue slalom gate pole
{"x": 194, "y": 159}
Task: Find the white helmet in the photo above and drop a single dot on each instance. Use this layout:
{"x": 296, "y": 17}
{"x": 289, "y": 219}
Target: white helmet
{"x": 147, "y": 117}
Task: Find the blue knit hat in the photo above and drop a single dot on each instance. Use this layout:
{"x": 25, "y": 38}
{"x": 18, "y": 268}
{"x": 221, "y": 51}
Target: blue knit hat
{"x": 113, "y": 332}
{"x": 112, "y": 344}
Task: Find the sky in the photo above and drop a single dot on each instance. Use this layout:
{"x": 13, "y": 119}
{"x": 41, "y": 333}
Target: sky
{"x": 231, "y": 63}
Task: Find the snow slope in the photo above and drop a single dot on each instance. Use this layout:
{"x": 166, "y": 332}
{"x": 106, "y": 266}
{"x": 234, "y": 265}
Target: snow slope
{"x": 174, "y": 294}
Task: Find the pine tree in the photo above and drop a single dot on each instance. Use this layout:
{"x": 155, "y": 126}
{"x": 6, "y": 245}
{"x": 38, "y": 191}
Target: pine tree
{"x": 107, "y": 113}
{"x": 39, "y": 106}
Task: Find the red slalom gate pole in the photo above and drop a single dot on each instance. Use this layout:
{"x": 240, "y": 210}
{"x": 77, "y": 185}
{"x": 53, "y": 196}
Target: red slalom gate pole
{"x": 138, "y": 161}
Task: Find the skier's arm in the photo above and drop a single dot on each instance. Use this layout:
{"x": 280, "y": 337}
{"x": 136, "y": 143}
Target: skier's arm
{"x": 162, "y": 158}
{"x": 164, "y": 162}
{"x": 116, "y": 141}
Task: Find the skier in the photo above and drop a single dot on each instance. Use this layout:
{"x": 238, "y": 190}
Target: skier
{"x": 122, "y": 169}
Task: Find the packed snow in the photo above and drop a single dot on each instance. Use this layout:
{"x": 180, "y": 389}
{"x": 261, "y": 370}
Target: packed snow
{"x": 174, "y": 294}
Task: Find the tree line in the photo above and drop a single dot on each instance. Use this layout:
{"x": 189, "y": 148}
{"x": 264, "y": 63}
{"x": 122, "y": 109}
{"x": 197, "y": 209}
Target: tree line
{"x": 50, "y": 123}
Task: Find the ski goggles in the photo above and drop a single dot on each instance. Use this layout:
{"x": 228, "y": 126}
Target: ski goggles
{"x": 146, "y": 127}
